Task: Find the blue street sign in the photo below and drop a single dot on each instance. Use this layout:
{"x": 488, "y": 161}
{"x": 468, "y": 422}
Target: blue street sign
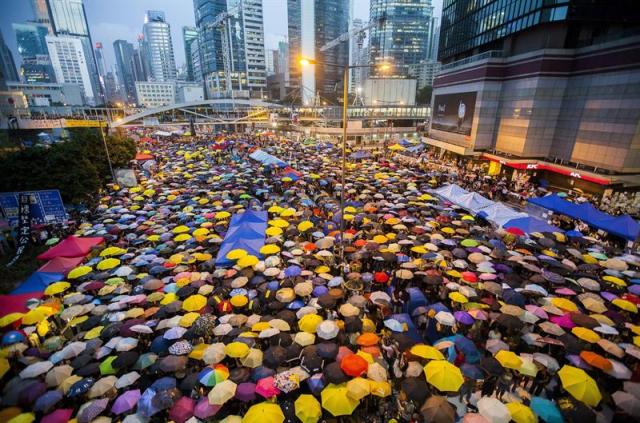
{"x": 46, "y": 207}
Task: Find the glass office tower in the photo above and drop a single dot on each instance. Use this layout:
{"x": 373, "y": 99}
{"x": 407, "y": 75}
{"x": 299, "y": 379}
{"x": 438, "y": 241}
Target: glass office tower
{"x": 159, "y": 48}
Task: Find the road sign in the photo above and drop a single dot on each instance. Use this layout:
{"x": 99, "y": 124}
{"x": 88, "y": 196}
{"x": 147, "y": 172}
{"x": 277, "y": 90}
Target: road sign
{"x": 46, "y": 206}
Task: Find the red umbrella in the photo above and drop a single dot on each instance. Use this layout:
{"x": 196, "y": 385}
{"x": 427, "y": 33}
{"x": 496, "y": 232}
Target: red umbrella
{"x": 353, "y": 365}
{"x": 381, "y": 277}
{"x": 62, "y": 415}
{"x": 469, "y": 277}
{"x": 182, "y": 410}
{"x": 224, "y": 306}
{"x": 515, "y": 231}
{"x": 266, "y": 387}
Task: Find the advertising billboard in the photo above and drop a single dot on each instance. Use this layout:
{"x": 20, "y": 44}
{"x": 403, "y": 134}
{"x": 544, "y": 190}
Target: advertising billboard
{"x": 46, "y": 206}
{"x": 454, "y": 112}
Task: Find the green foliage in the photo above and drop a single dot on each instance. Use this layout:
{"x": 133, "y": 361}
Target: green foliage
{"x": 423, "y": 96}
{"x": 77, "y": 167}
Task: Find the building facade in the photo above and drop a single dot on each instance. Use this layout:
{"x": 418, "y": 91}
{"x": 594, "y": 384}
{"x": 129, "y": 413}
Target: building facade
{"x": 32, "y": 47}
{"x": 49, "y": 94}
{"x": 68, "y": 18}
{"x": 152, "y": 94}
{"x": 245, "y": 42}
{"x": 403, "y": 37}
{"x": 424, "y": 72}
{"x": 159, "y": 47}
{"x": 189, "y": 34}
{"x": 7, "y": 65}
{"x": 124, "y": 57}
{"x": 311, "y": 25}
{"x": 541, "y": 82}
{"x": 70, "y": 65}
{"x": 187, "y": 92}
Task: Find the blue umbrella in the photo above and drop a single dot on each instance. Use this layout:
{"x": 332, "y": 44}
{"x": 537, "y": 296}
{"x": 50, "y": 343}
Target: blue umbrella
{"x": 295, "y": 304}
{"x": 513, "y": 297}
{"x": 146, "y": 407}
{"x": 46, "y": 401}
{"x": 81, "y": 387}
{"x": 546, "y": 410}
{"x": 292, "y": 271}
{"x": 464, "y": 344}
{"x": 471, "y": 371}
{"x": 163, "y": 384}
{"x": 316, "y": 383}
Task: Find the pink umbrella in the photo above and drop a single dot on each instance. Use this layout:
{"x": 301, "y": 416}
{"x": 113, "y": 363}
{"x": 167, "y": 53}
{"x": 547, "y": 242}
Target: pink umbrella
{"x": 474, "y": 418}
{"x": 342, "y": 353}
{"x": 565, "y": 291}
{"x": 125, "y": 402}
{"x": 266, "y": 387}
{"x": 204, "y": 410}
{"x": 182, "y": 410}
{"x": 62, "y": 415}
{"x": 563, "y": 321}
{"x": 488, "y": 276}
{"x": 537, "y": 311}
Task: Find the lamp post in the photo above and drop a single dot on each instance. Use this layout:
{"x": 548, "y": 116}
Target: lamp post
{"x": 345, "y": 119}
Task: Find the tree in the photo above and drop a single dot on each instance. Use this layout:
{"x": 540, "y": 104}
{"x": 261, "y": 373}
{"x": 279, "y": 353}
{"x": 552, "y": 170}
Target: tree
{"x": 423, "y": 96}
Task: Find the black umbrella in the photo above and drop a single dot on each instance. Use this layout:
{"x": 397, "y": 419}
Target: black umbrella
{"x": 327, "y": 350}
{"x": 274, "y": 356}
{"x": 81, "y": 360}
{"x": 240, "y": 374}
{"x": 310, "y": 360}
{"x": 491, "y": 366}
{"x": 125, "y": 359}
{"x": 88, "y": 370}
{"x": 509, "y": 322}
{"x": 416, "y": 389}
{"x": 333, "y": 374}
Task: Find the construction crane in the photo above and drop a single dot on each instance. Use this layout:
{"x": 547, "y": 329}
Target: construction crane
{"x": 221, "y": 22}
{"x": 356, "y": 32}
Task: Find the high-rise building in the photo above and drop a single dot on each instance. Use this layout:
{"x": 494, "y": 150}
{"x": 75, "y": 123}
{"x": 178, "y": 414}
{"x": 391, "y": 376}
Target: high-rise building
{"x": 70, "y": 65}
{"x": 245, "y": 35}
{"x": 402, "y": 38}
{"x": 196, "y": 63}
{"x": 189, "y": 34}
{"x": 424, "y": 72}
{"x": 311, "y": 25}
{"x": 32, "y": 47}
{"x": 549, "y": 86}
{"x": 41, "y": 13}
{"x": 137, "y": 65}
{"x": 68, "y": 18}
{"x": 102, "y": 65}
{"x": 434, "y": 38}
{"x": 282, "y": 66}
{"x": 271, "y": 59}
{"x": 157, "y": 38}
{"x": 355, "y": 55}
{"x": 111, "y": 87}
{"x": 7, "y": 65}
{"x": 124, "y": 57}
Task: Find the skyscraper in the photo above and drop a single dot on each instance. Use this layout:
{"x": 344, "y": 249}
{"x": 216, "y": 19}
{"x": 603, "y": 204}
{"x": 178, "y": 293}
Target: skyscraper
{"x": 124, "y": 56}
{"x": 7, "y": 65}
{"x": 102, "y": 65}
{"x": 68, "y": 18}
{"x": 41, "y": 13}
{"x": 69, "y": 64}
{"x": 403, "y": 38}
{"x": 137, "y": 65}
{"x": 157, "y": 38}
{"x": 32, "y": 47}
{"x": 245, "y": 35}
{"x": 189, "y": 34}
{"x": 311, "y": 25}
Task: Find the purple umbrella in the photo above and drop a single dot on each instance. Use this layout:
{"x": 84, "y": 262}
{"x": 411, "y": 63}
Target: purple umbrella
{"x": 92, "y": 410}
{"x": 62, "y": 415}
{"x": 182, "y": 410}
{"x": 608, "y": 296}
{"x": 204, "y": 410}
{"x": 563, "y": 321}
{"x": 578, "y": 362}
{"x": 126, "y": 401}
{"x": 246, "y": 391}
{"x": 463, "y": 317}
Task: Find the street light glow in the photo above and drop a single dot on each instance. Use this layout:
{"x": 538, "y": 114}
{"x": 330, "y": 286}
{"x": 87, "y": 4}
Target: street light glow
{"x": 305, "y": 61}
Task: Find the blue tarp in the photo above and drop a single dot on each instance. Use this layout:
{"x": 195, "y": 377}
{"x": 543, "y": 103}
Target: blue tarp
{"x": 623, "y": 226}
{"x": 361, "y": 154}
{"x": 416, "y": 148}
{"x": 37, "y": 282}
{"x": 267, "y": 159}
{"x": 500, "y": 214}
{"x": 246, "y": 231}
{"x": 473, "y": 201}
{"x": 451, "y": 192}
{"x": 531, "y": 224}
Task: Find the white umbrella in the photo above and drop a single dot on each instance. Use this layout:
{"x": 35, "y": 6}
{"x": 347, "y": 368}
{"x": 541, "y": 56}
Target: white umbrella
{"x": 222, "y": 329}
{"x": 36, "y": 369}
{"x": 627, "y": 402}
{"x": 493, "y": 410}
{"x": 222, "y": 392}
{"x": 127, "y": 379}
{"x": 619, "y": 370}
{"x": 328, "y": 329}
{"x": 445, "y": 318}
{"x": 214, "y": 353}
{"x": 141, "y": 329}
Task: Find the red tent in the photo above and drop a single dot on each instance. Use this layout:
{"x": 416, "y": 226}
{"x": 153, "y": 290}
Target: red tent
{"x": 16, "y": 303}
{"x": 61, "y": 265}
{"x": 71, "y": 247}
{"x": 142, "y": 157}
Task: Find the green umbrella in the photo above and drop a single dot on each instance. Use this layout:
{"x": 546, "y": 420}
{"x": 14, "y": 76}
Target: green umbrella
{"x": 245, "y": 197}
{"x": 106, "y": 368}
{"x": 145, "y": 360}
{"x": 52, "y": 241}
{"x": 469, "y": 243}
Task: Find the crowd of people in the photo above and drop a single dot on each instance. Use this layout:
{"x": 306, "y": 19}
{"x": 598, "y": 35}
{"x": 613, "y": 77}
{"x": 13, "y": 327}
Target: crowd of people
{"x": 415, "y": 312}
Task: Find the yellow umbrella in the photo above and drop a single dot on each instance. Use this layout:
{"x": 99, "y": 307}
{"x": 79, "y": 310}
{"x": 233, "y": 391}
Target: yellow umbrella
{"x": 182, "y": 229}
{"x": 273, "y": 231}
{"x": 79, "y": 272}
{"x": 188, "y": 319}
{"x": 309, "y": 323}
{"x": 279, "y": 223}
{"x": 275, "y": 209}
{"x": 263, "y": 413}
{"x": 380, "y": 389}
{"x": 222, "y": 215}
{"x": 564, "y": 304}
{"x": 419, "y": 249}
{"x": 614, "y": 280}
{"x": 305, "y": 226}
{"x": 197, "y": 353}
{"x": 269, "y": 249}
{"x": 4, "y": 366}
{"x": 168, "y": 298}
{"x": 194, "y": 302}
{"x": 107, "y": 264}
{"x": 508, "y": 359}
{"x": 236, "y": 254}
{"x": 580, "y": 385}
{"x": 112, "y": 251}
{"x": 358, "y": 388}
{"x": 236, "y": 350}
{"x": 56, "y": 288}
{"x": 200, "y": 232}
{"x": 380, "y": 239}
{"x": 396, "y": 147}
{"x": 308, "y": 409}
{"x": 93, "y": 333}
{"x": 248, "y": 261}
{"x": 426, "y": 351}
{"x": 10, "y": 318}
{"x": 625, "y": 305}
{"x": 288, "y": 212}
{"x": 23, "y": 418}
{"x": 336, "y": 400}
{"x": 182, "y": 237}
{"x": 37, "y": 315}
{"x": 585, "y": 334}
{"x": 520, "y": 413}
{"x": 458, "y": 297}
{"x": 443, "y": 375}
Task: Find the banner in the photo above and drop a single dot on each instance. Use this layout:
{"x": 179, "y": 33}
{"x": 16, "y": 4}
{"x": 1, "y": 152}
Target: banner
{"x": 454, "y": 112}
{"x": 24, "y": 225}
{"x": 126, "y": 177}
{"x": 82, "y": 123}
{"x": 46, "y": 206}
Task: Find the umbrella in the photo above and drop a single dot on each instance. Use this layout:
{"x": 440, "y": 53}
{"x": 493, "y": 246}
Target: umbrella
{"x": 91, "y": 410}
{"x": 358, "y": 388}
{"x": 182, "y": 409}
{"x": 264, "y": 412}
{"x": 437, "y": 409}
{"x": 222, "y": 392}
{"x": 546, "y": 410}
{"x": 126, "y": 401}
{"x": 493, "y": 410}
{"x": 627, "y": 402}
{"x": 335, "y": 400}
{"x": 520, "y": 413}
{"x": 580, "y": 385}
{"x": 308, "y": 409}
{"x": 443, "y": 375}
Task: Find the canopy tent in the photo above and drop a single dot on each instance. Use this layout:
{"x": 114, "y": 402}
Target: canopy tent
{"x": 291, "y": 173}
{"x": 451, "y": 192}
{"x": 360, "y": 154}
{"x": 144, "y": 156}
{"x": 623, "y": 226}
{"x": 267, "y": 159}
{"x": 531, "y": 224}
{"x": 16, "y": 303}
{"x": 61, "y": 265}
{"x": 500, "y": 214}
{"x": 72, "y": 246}
{"x": 247, "y": 232}
{"x": 416, "y": 148}
{"x": 37, "y": 282}
{"x": 473, "y": 201}
{"x": 162, "y": 133}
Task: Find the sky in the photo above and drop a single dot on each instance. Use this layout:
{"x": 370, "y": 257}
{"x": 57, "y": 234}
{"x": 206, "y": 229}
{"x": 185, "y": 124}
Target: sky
{"x": 110, "y": 20}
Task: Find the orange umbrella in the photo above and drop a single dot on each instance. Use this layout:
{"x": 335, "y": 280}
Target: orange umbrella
{"x": 367, "y": 339}
{"x": 353, "y": 365}
{"x": 310, "y": 246}
{"x": 596, "y": 360}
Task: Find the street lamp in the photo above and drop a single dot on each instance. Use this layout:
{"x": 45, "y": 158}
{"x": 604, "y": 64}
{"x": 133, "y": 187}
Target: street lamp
{"x": 383, "y": 67}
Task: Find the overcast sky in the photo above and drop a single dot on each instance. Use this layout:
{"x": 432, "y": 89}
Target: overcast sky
{"x": 110, "y": 20}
